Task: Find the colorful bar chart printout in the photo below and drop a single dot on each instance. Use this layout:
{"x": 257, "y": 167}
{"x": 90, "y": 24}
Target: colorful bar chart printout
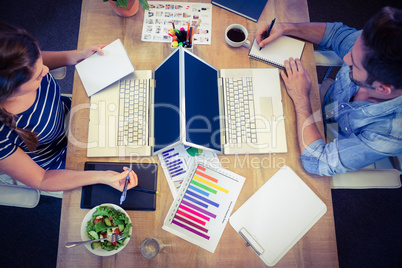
{"x": 202, "y": 207}
{"x": 175, "y": 162}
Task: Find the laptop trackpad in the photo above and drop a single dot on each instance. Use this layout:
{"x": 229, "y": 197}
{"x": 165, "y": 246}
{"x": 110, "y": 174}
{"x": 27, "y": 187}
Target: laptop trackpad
{"x": 266, "y": 107}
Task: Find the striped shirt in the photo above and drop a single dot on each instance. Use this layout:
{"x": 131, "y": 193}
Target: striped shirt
{"x": 46, "y": 118}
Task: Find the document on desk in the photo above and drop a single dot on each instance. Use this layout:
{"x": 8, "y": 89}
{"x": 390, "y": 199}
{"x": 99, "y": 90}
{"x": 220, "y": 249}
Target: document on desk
{"x": 202, "y": 207}
{"x": 176, "y": 161}
{"x": 164, "y": 15}
{"x": 278, "y": 215}
{"x": 99, "y": 71}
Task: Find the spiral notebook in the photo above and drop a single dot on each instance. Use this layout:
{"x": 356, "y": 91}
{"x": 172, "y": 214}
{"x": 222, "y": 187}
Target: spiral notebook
{"x": 278, "y": 51}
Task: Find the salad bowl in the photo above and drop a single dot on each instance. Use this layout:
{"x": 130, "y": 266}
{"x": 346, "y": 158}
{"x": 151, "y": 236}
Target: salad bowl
{"x": 99, "y": 250}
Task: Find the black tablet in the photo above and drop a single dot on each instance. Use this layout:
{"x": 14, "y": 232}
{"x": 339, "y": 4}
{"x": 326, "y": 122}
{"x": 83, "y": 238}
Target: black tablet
{"x": 97, "y": 194}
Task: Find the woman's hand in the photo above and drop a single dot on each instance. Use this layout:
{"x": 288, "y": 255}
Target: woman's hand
{"x": 276, "y": 32}
{"x": 88, "y": 51}
{"x": 297, "y": 81}
{"x": 117, "y": 180}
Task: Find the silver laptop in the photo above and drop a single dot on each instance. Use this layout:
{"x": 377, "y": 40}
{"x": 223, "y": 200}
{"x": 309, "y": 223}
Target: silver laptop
{"x": 120, "y": 123}
{"x": 187, "y": 101}
{"x": 254, "y": 119}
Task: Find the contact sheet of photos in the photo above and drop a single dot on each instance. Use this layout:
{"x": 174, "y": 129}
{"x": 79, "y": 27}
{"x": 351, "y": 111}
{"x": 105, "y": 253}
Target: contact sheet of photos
{"x": 161, "y": 17}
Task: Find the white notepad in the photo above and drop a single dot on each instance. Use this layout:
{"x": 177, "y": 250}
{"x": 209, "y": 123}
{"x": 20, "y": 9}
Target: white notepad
{"x": 278, "y": 51}
{"x": 99, "y": 71}
{"x": 278, "y": 215}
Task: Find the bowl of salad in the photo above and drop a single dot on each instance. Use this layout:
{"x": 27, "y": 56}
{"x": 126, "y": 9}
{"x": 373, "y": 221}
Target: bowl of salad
{"x": 104, "y": 220}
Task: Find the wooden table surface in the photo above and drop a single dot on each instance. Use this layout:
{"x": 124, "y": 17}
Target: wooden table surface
{"x": 99, "y": 24}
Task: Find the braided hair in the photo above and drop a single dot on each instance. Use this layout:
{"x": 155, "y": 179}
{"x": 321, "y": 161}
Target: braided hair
{"x": 19, "y": 52}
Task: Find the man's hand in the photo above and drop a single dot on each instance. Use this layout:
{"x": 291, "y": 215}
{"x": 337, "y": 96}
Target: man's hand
{"x": 297, "y": 81}
{"x": 276, "y": 32}
{"x": 298, "y": 86}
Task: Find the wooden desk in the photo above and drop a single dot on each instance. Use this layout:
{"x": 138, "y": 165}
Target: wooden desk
{"x": 99, "y": 24}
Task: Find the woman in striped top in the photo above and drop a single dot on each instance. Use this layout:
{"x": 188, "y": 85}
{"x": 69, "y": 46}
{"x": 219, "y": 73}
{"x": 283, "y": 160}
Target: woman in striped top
{"x": 33, "y": 139}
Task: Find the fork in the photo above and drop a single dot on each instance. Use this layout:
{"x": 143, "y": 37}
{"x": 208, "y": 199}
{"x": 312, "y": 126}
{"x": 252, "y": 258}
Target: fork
{"x": 111, "y": 238}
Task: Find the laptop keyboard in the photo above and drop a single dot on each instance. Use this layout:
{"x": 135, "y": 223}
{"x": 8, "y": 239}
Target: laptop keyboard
{"x": 133, "y": 112}
{"x": 240, "y": 116}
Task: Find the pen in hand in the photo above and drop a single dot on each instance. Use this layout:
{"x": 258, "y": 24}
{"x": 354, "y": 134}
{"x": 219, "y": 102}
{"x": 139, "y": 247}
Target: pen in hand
{"x": 124, "y": 194}
{"x": 269, "y": 29}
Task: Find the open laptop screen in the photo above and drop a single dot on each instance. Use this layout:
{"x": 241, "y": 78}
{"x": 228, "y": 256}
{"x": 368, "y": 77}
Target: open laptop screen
{"x": 166, "y": 103}
{"x": 202, "y": 103}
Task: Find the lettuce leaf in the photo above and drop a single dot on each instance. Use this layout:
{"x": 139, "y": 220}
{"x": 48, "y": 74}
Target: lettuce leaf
{"x": 100, "y": 227}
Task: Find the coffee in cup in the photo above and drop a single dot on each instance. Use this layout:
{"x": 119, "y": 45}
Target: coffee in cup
{"x": 236, "y": 36}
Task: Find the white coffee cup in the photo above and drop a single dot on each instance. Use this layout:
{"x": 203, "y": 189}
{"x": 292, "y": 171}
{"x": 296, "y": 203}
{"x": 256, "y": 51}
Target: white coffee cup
{"x": 236, "y": 36}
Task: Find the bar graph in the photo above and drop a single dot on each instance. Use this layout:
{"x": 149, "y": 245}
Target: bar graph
{"x": 202, "y": 207}
{"x": 175, "y": 162}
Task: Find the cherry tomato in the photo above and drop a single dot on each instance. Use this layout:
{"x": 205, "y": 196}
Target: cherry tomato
{"x": 98, "y": 220}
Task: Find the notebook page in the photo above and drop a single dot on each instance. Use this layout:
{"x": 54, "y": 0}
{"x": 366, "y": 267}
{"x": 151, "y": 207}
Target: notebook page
{"x": 99, "y": 71}
{"x": 278, "y": 51}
